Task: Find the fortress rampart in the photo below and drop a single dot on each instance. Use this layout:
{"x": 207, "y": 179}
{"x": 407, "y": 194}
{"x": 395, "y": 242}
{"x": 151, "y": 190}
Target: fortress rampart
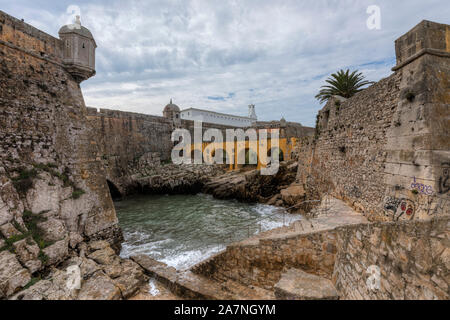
{"x": 50, "y": 170}
{"x": 385, "y": 151}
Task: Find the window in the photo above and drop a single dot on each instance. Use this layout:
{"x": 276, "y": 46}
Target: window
{"x": 84, "y": 46}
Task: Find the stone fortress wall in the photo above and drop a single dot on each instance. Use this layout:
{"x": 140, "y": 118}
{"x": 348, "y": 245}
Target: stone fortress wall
{"x": 385, "y": 151}
{"x": 53, "y": 191}
{"x": 367, "y": 151}
{"x": 128, "y": 141}
{"x": 412, "y": 258}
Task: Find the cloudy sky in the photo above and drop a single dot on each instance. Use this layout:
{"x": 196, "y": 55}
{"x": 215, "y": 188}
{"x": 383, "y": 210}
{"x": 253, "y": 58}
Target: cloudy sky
{"x": 225, "y": 54}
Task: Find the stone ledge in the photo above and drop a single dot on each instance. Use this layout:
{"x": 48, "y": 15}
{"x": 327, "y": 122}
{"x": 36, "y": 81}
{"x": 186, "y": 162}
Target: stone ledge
{"x": 298, "y": 285}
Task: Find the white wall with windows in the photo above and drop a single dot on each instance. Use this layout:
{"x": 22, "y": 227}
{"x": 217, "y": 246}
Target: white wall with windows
{"x": 217, "y": 118}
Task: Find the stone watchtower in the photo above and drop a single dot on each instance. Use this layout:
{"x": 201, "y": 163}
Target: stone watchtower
{"x": 172, "y": 111}
{"x": 78, "y": 51}
{"x": 252, "y": 112}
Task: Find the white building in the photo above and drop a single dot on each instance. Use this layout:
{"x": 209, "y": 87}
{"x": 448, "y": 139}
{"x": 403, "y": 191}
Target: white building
{"x": 220, "y": 118}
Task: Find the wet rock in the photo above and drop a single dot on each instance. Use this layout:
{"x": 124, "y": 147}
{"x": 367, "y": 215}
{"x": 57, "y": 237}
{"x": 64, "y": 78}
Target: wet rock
{"x": 293, "y": 195}
{"x": 273, "y": 200}
{"x": 299, "y": 285}
{"x": 12, "y": 275}
{"x": 251, "y": 186}
{"x": 131, "y": 279}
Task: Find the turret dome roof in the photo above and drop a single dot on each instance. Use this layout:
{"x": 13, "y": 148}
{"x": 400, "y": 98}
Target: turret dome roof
{"x": 171, "y": 107}
{"x": 76, "y": 28}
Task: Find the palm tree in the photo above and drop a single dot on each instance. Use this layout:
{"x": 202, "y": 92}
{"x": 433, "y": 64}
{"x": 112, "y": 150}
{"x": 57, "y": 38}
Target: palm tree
{"x": 343, "y": 84}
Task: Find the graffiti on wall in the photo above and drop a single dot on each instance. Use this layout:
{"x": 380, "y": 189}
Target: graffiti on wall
{"x": 444, "y": 181}
{"x": 399, "y": 208}
{"x": 422, "y": 188}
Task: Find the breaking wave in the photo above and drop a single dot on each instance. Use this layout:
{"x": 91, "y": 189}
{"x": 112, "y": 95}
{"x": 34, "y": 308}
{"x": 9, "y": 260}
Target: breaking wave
{"x": 184, "y": 230}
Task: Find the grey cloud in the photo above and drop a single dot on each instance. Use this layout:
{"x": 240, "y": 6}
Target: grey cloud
{"x": 275, "y": 54}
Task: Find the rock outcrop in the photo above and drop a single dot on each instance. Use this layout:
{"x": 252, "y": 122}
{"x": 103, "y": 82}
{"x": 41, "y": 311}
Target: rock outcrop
{"x": 53, "y": 191}
{"x": 103, "y": 276}
{"x": 250, "y": 185}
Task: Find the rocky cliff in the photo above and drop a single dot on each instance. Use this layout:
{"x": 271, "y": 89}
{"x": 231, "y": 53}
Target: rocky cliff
{"x": 53, "y": 193}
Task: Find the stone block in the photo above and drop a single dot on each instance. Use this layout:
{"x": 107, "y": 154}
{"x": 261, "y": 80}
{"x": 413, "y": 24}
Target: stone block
{"x": 299, "y": 285}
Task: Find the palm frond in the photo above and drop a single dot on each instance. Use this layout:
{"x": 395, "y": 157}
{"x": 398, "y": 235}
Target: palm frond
{"x": 342, "y": 83}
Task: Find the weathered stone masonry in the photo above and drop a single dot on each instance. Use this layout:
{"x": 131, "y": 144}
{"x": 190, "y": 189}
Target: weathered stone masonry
{"x": 386, "y": 150}
{"x": 386, "y": 153}
{"x": 413, "y": 259}
{"x": 50, "y": 168}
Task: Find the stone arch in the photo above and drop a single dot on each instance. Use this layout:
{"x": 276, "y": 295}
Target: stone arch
{"x": 225, "y": 157}
{"x": 114, "y": 191}
{"x": 276, "y": 150}
{"x": 249, "y": 155}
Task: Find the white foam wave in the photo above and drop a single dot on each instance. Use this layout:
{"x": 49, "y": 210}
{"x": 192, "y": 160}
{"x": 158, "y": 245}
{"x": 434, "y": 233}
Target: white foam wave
{"x": 130, "y": 248}
{"x": 187, "y": 259}
{"x": 153, "y": 289}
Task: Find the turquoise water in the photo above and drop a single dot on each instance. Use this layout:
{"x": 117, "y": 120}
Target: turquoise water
{"x": 183, "y": 230}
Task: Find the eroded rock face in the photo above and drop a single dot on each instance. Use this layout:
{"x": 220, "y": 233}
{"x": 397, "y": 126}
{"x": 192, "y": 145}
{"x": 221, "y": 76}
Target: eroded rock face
{"x": 251, "y": 186}
{"x": 52, "y": 182}
{"x": 174, "y": 179}
{"x": 26, "y": 250}
{"x": 45, "y": 196}
{"x": 99, "y": 287}
{"x": 106, "y": 278}
{"x": 8, "y": 230}
{"x": 293, "y": 195}
{"x": 10, "y": 204}
{"x": 53, "y": 230}
{"x": 57, "y": 252}
{"x": 12, "y": 275}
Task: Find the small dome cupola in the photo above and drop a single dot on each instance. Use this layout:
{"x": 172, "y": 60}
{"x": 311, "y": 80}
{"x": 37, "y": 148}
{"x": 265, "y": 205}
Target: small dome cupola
{"x": 171, "y": 111}
{"x": 78, "y": 50}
